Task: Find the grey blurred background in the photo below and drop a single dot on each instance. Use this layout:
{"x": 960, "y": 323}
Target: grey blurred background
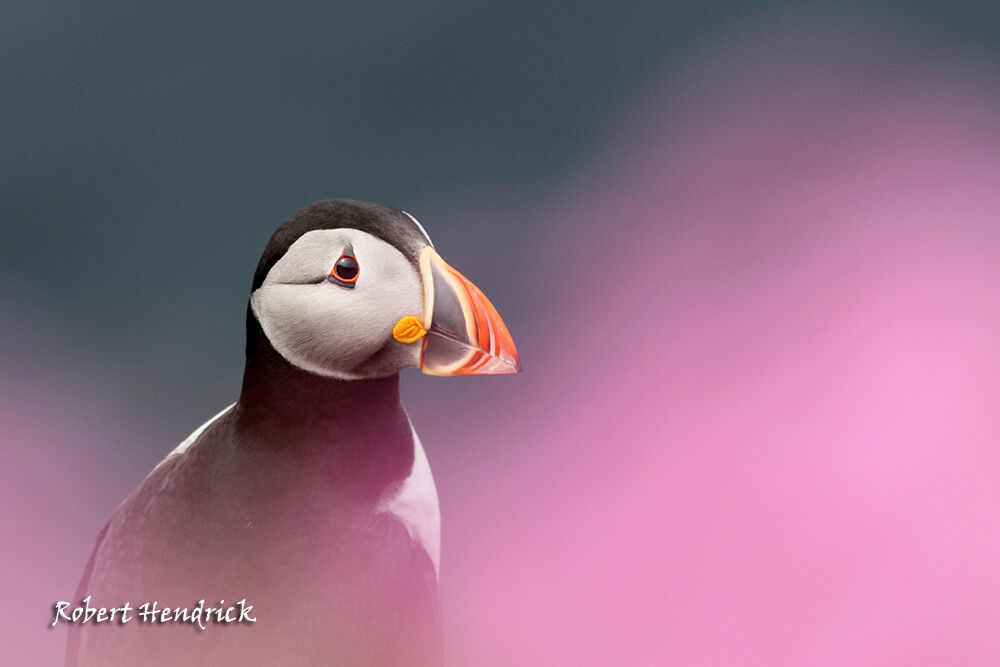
{"x": 149, "y": 149}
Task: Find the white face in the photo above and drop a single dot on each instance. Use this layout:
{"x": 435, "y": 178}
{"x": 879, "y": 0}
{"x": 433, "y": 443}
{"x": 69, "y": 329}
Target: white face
{"x": 336, "y": 330}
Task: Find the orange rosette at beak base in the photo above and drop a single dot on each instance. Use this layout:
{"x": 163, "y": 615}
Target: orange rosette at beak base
{"x": 465, "y": 334}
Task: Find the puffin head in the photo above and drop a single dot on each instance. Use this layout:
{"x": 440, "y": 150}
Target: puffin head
{"x": 353, "y": 290}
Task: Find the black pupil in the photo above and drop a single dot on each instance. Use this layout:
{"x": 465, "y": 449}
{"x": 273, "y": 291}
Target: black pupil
{"x": 347, "y": 268}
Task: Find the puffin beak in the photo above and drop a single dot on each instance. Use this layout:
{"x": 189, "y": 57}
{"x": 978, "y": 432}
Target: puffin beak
{"x": 464, "y": 332}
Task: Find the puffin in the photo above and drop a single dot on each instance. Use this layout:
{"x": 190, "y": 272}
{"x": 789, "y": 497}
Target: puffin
{"x": 303, "y": 517}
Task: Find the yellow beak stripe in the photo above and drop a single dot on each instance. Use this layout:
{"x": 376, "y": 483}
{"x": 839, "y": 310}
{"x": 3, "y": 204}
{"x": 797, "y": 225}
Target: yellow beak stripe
{"x": 409, "y": 329}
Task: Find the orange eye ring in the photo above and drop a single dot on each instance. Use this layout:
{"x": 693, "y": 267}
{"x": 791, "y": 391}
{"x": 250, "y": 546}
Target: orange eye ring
{"x": 346, "y": 269}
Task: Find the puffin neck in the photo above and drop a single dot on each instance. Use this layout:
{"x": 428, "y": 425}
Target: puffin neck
{"x": 355, "y": 428}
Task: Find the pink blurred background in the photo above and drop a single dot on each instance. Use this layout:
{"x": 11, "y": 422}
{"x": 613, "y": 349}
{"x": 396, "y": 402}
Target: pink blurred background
{"x": 758, "y": 418}
{"x": 758, "y": 421}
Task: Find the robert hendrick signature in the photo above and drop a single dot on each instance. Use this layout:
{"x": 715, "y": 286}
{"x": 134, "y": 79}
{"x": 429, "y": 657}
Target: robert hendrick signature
{"x": 151, "y": 612}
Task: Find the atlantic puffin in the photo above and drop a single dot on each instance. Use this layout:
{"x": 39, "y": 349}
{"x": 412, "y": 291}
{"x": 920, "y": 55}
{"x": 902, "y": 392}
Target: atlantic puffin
{"x": 310, "y": 499}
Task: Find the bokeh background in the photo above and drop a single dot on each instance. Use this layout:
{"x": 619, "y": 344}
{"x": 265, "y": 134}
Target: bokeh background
{"x": 750, "y": 254}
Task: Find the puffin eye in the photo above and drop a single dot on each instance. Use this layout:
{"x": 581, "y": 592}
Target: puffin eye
{"x": 346, "y": 269}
